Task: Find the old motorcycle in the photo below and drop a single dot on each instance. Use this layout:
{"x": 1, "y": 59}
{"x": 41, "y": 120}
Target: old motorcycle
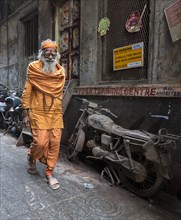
{"x": 137, "y": 159}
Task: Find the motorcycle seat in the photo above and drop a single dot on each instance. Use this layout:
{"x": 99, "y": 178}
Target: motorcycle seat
{"x": 106, "y": 124}
{"x": 101, "y": 122}
{"x": 137, "y": 134}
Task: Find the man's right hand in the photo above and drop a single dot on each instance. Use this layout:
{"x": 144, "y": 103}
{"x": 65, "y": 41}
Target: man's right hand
{"x": 26, "y": 121}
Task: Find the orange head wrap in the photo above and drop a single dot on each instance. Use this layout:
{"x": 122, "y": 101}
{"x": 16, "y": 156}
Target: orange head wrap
{"x": 49, "y": 44}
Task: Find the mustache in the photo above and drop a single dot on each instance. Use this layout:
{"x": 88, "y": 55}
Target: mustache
{"x": 49, "y": 67}
{"x": 41, "y": 56}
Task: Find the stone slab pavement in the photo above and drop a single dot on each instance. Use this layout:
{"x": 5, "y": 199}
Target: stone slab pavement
{"x": 24, "y": 196}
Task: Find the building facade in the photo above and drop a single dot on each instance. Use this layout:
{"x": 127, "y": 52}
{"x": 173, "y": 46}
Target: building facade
{"x": 125, "y": 54}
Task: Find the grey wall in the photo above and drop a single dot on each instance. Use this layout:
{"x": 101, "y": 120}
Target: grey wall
{"x": 13, "y": 62}
{"x": 89, "y": 42}
{"x": 45, "y": 20}
{"x": 166, "y": 55}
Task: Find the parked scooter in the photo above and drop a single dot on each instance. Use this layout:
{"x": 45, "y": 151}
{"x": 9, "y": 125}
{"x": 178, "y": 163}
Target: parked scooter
{"x": 13, "y": 115}
{"x": 139, "y": 160}
{"x": 11, "y": 112}
{"x": 3, "y": 95}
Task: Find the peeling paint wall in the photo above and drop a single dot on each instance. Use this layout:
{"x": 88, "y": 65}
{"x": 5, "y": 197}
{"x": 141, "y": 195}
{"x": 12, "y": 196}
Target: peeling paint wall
{"x": 164, "y": 56}
{"x": 45, "y": 20}
{"x": 3, "y": 54}
{"x": 88, "y": 43}
{"x": 167, "y": 56}
{"x": 13, "y": 62}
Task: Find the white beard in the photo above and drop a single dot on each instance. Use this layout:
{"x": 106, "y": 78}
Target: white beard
{"x": 48, "y": 67}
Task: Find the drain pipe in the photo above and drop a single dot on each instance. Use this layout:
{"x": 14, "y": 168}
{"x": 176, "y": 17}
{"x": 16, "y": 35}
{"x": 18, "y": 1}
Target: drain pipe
{"x": 7, "y": 35}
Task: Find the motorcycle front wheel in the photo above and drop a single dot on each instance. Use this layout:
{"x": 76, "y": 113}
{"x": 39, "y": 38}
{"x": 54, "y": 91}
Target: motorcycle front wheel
{"x": 153, "y": 181}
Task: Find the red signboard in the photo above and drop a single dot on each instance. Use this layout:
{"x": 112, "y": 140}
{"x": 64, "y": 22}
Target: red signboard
{"x": 143, "y": 91}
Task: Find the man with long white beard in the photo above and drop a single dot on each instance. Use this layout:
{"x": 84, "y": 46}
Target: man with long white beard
{"x": 42, "y": 104}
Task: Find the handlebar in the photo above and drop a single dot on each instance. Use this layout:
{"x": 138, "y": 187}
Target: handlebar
{"x": 108, "y": 111}
{"x": 88, "y": 103}
{"x": 96, "y": 106}
{"x": 9, "y": 91}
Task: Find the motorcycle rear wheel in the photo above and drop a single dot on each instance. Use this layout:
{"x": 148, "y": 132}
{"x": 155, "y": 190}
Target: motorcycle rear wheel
{"x": 152, "y": 183}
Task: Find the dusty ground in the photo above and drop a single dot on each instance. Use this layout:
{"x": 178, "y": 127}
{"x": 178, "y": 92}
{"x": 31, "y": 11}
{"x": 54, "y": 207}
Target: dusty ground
{"x": 24, "y": 196}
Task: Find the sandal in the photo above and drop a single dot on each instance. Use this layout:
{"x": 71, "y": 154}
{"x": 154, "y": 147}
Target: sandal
{"x": 52, "y": 182}
{"x": 31, "y": 165}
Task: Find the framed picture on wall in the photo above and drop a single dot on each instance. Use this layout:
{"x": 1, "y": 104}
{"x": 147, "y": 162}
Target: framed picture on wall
{"x": 65, "y": 15}
{"x": 76, "y": 10}
{"x": 65, "y": 63}
{"x": 64, "y": 41}
{"x": 75, "y": 37}
{"x": 75, "y": 66}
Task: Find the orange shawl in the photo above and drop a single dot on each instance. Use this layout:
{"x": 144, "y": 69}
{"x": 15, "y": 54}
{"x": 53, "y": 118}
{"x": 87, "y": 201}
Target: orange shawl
{"x": 50, "y": 84}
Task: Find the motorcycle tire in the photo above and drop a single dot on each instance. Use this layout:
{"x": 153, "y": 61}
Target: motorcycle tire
{"x": 152, "y": 183}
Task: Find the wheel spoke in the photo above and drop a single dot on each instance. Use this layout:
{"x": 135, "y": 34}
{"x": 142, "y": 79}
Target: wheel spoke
{"x": 153, "y": 180}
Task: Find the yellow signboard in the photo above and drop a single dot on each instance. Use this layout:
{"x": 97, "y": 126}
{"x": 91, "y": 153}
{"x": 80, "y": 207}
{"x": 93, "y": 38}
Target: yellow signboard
{"x": 128, "y": 56}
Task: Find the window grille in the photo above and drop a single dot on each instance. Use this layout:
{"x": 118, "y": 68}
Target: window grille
{"x": 31, "y": 36}
{"x": 117, "y": 36}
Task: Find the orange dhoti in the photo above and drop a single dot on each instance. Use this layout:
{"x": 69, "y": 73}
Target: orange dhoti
{"x": 45, "y": 146}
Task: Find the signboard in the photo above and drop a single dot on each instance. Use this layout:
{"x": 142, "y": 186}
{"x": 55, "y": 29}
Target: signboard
{"x": 137, "y": 91}
{"x": 173, "y": 16}
{"x": 130, "y": 56}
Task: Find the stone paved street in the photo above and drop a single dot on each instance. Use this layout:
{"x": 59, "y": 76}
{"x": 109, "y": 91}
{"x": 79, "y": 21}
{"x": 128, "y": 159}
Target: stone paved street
{"x": 24, "y": 196}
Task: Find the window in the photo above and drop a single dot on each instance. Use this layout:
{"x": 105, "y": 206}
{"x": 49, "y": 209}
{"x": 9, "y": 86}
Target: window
{"x": 117, "y": 36}
{"x": 31, "y": 36}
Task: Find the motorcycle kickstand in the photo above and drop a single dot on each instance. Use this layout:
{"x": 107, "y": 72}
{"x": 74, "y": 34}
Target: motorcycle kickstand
{"x": 115, "y": 175}
{"x": 108, "y": 172}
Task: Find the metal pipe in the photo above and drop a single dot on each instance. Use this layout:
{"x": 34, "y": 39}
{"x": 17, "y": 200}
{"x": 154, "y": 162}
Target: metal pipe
{"x": 7, "y": 35}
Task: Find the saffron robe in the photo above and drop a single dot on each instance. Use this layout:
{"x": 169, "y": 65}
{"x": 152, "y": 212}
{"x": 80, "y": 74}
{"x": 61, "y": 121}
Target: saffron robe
{"x": 43, "y": 95}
